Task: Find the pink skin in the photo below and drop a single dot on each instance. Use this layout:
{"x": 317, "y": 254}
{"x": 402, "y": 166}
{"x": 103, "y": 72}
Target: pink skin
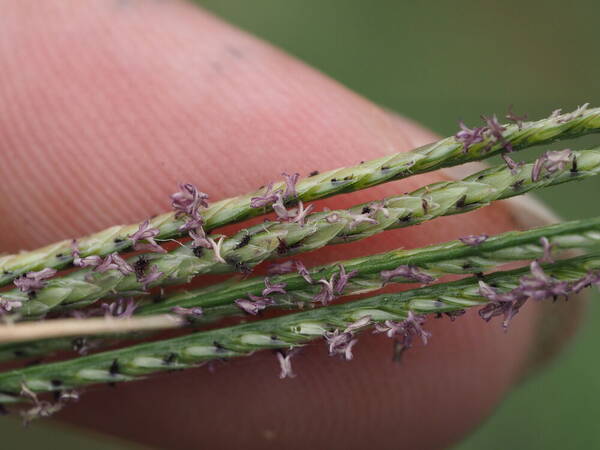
{"x": 107, "y": 105}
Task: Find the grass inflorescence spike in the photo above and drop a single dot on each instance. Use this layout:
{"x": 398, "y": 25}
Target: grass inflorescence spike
{"x": 454, "y": 257}
{"x": 444, "y": 153}
{"x": 323, "y": 228}
{"x": 283, "y": 332}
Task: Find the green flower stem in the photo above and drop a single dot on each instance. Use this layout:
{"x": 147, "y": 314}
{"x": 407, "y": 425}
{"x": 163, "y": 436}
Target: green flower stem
{"x": 452, "y": 257}
{"x": 444, "y": 153}
{"x": 283, "y": 332}
{"x": 181, "y": 265}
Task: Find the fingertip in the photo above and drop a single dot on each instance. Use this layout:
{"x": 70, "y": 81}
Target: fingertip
{"x": 120, "y": 103}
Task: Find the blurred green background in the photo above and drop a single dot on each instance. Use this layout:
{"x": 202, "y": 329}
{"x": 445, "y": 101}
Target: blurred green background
{"x": 438, "y": 62}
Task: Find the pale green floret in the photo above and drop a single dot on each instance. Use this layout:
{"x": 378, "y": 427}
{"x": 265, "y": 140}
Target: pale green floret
{"x": 309, "y": 329}
{"x": 148, "y": 362}
{"x": 375, "y": 314}
{"x": 260, "y": 340}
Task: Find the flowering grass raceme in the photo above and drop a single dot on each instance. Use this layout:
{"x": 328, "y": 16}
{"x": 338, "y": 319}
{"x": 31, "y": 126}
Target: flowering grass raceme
{"x": 299, "y": 288}
{"x": 293, "y": 330}
{"x": 274, "y": 239}
{"x": 467, "y": 145}
{"x": 46, "y": 311}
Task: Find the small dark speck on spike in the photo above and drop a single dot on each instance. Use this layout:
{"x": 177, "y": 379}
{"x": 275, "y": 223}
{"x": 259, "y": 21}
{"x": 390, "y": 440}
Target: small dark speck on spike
{"x": 238, "y": 265}
{"x": 118, "y": 240}
{"x": 56, "y": 383}
{"x": 517, "y": 184}
{"x": 461, "y": 202}
{"x": 170, "y": 358}
{"x": 282, "y": 248}
{"x": 197, "y": 252}
{"x": 219, "y": 347}
{"x": 244, "y": 241}
{"x": 574, "y": 165}
{"x": 313, "y": 173}
{"x": 140, "y": 266}
{"x": 114, "y": 367}
{"x": 79, "y": 344}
